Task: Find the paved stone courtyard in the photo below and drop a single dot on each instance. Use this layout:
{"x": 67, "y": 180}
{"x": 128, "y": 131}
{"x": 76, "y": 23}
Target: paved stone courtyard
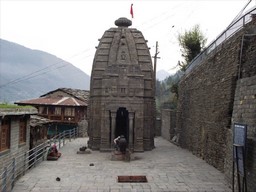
{"x": 168, "y": 168}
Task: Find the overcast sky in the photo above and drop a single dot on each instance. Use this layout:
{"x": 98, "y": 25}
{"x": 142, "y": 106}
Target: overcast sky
{"x": 70, "y": 29}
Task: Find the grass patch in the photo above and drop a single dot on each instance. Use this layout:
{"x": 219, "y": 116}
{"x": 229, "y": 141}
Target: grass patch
{"x": 12, "y": 106}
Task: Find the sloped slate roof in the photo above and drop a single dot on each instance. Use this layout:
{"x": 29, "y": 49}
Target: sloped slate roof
{"x": 56, "y": 101}
{"x": 77, "y": 93}
{"x": 36, "y": 120}
{"x": 18, "y": 111}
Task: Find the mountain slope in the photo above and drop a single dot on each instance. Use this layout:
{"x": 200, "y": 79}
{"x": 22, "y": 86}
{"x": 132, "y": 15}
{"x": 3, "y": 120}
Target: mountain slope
{"x": 27, "y": 73}
{"x": 162, "y": 75}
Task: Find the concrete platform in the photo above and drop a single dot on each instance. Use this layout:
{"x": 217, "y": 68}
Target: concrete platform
{"x": 167, "y": 168}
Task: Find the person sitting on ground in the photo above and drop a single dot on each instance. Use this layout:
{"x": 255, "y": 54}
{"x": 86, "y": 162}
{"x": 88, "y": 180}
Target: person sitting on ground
{"x": 54, "y": 148}
{"x": 53, "y": 153}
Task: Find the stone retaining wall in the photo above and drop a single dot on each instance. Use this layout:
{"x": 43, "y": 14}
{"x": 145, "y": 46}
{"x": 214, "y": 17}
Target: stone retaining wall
{"x": 205, "y": 104}
{"x": 245, "y": 112}
{"x": 168, "y": 124}
{"x": 207, "y": 101}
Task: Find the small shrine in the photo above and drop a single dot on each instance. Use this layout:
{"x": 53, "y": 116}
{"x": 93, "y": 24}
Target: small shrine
{"x": 122, "y": 100}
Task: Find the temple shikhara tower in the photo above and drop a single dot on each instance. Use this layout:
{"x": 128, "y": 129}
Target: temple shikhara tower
{"x": 122, "y": 91}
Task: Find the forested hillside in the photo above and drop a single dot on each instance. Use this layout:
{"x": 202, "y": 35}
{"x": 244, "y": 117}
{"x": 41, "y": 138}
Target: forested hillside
{"x": 166, "y": 92}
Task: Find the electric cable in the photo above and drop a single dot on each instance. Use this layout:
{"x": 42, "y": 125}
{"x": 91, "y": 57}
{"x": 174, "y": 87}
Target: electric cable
{"x": 42, "y": 70}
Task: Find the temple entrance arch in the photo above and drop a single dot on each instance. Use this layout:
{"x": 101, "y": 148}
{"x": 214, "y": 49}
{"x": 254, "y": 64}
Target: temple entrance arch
{"x": 122, "y": 123}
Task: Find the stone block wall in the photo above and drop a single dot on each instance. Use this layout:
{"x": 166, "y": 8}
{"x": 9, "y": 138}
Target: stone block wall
{"x": 248, "y": 50}
{"x": 206, "y": 99}
{"x": 168, "y": 124}
{"x": 83, "y": 128}
{"x": 245, "y": 112}
{"x": 251, "y": 164}
{"x": 244, "y": 109}
{"x": 173, "y": 129}
{"x": 158, "y": 127}
{"x": 165, "y": 125}
{"x": 16, "y": 149}
{"x": 205, "y": 104}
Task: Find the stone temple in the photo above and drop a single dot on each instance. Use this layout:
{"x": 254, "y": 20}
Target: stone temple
{"x": 122, "y": 91}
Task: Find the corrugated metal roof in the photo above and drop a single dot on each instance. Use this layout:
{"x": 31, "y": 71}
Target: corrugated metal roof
{"x": 56, "y": 101}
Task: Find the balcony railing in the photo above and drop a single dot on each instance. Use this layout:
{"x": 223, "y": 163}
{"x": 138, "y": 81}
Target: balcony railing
{"x": 61, "y": 118}
{"x": 229, "y": 32}
{"x": 30, "y": 159}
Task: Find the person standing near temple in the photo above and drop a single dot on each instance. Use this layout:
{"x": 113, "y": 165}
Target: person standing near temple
{"x": 122, "y": 144}
{"x": 116, "y": 142}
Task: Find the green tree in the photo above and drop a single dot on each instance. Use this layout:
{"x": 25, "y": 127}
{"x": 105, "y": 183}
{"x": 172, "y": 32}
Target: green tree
{"x": 192, "y": 42}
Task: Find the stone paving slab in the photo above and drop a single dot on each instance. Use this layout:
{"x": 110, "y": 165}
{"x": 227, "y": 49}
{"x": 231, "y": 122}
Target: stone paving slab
{"x": 168, "y": 168}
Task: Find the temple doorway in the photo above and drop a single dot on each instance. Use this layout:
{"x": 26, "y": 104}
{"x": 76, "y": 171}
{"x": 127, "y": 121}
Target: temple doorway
{"x": 122, "y": 123}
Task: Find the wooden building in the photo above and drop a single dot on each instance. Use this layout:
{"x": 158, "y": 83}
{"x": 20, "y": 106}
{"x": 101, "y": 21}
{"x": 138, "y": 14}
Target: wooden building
{"x": 14, "y": 132}
{"x": 64, "y": 107}
{"x": 38, "y": 130}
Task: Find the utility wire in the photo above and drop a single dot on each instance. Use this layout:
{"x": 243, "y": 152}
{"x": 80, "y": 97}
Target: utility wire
{"x": 240, "y": 13}
{"x": 42, "y": 71}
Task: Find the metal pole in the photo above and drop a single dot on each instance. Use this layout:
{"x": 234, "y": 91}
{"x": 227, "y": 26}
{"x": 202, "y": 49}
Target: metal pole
{"x": 25, "y": 155}
{"x": 233, "y": 172}
{"x": 237, "y": 171}
{"x": 64, "y": 133}
{"x": 59, "y": 139}
{"x": 4, "y": 179}
{"x": 233, "y": 175}
{"x": 240, "y": 58}
{"x": 155, "y": 60}
{"x": 13, "y": 172}
{"x": 35, "y": 157}
{"x": 44, "y": 150}
{"x": 244, "y": 178}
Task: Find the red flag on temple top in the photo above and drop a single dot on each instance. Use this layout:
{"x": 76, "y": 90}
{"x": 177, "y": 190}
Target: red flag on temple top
{"x": 131, "y": 10}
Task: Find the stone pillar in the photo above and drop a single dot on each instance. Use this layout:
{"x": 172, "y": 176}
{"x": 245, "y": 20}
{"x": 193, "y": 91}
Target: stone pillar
{"x": 138, "y": 133}
{"x": 131, "y": 118}
{"x": 105, "y": 129}
{"x": 113, "y": 126}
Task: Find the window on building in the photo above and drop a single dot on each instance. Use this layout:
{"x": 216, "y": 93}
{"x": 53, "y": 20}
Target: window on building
{"x": 122, "y": 90}
{"x": 5, "y": 134}
{"x": 57, "y": 110}
{"x": 69, "y": 111}
{"x": 51, "y": 110}
{"x": 23, "y": 130}
{"x": 43, "y": 110}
